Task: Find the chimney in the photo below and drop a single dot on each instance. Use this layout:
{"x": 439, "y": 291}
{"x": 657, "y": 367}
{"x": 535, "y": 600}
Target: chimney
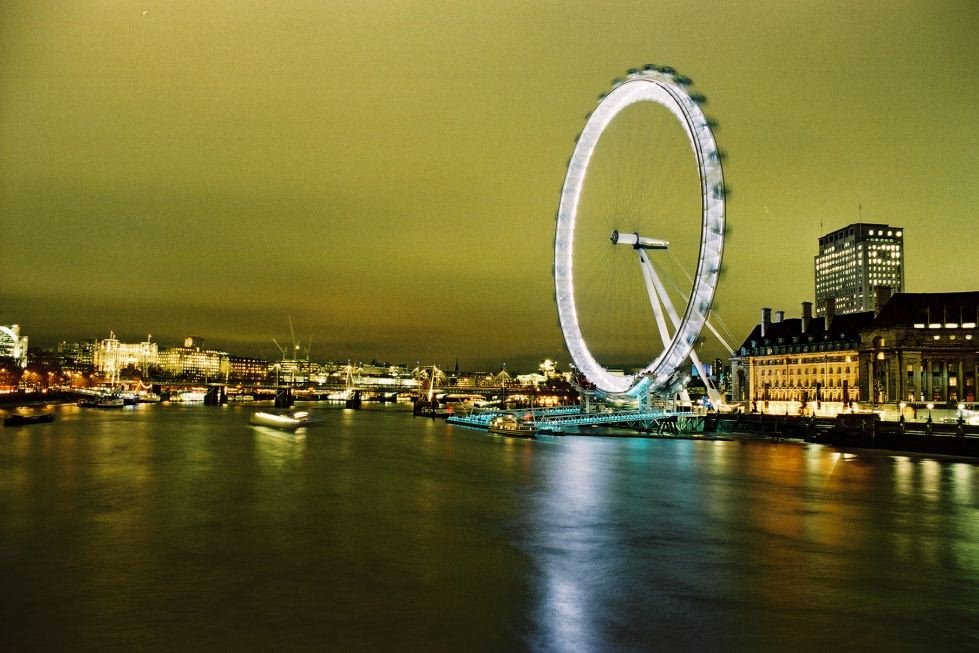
{"x": 779, "y": 316}
{"x": 766, "y": 320}
{"x": 882, "y": 295}
{"x": 806, "y": 316}
{"x": 830, "y": 311}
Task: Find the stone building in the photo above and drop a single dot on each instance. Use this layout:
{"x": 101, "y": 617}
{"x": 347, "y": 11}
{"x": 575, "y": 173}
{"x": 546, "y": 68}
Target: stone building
{"x": 805, "y": 362}
{"x": 922, "y": 348}
{"x": 915, "y": 347}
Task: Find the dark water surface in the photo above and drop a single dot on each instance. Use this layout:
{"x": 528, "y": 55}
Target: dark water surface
{"x": 185, "y": 528}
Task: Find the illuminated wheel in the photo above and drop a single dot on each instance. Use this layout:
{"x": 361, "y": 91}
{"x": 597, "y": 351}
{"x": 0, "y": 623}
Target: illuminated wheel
{"x": 660, "y": 369}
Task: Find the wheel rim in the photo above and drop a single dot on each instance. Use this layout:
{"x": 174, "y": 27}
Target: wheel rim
{"x": 660, "y": 374}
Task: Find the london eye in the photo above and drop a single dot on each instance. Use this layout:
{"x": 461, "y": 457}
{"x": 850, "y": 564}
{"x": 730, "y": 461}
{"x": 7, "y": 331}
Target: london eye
{"x": 640, "y": 235}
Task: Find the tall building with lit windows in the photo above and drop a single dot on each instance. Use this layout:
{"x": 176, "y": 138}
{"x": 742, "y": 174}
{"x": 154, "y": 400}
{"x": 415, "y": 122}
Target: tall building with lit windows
{"x": 856, "y": 260}
{"x": 13, "y": 345}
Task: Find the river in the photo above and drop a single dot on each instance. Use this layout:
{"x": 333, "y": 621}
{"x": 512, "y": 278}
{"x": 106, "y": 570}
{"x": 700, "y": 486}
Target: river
{"x": 182, "y": 527}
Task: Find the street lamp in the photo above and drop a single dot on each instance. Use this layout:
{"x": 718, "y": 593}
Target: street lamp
{"x": 902, "y": 405}
{"x": 930, "y": 406}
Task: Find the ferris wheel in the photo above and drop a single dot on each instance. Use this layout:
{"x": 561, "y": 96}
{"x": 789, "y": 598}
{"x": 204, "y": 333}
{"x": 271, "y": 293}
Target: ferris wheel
{"x": 679, "y": 318}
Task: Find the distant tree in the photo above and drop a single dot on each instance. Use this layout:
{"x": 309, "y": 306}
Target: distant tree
{"x": 10, "y": 372}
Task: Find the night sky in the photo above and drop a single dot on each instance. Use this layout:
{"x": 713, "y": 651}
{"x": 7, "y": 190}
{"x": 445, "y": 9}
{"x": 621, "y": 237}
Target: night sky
{"x": 387, "y": 173}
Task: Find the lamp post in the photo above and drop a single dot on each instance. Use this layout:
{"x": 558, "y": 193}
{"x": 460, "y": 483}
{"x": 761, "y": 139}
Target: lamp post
{"x": 902, "y": 405}
{"x": 930, "y": 406}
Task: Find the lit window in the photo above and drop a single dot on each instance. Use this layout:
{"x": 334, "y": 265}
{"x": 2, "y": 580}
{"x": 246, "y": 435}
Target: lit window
{"x": 937, "y": 337}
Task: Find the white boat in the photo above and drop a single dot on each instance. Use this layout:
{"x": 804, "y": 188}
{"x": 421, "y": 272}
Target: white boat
{"x": 510, "y": 426}
{"x": 145, "y": 397}
{"x": 192, "y": 397}
{"x": 110, "y": 401}
{"x": 281, "y": 420}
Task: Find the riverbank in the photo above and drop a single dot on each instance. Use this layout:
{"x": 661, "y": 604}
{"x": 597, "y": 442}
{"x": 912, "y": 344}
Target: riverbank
{"x": 12, "y": 400}
{"x": 857, "y": 431}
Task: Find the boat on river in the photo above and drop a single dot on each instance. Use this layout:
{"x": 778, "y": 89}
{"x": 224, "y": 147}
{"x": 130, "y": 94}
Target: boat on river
{"x": 512, "y": 427}
{"x": 102, "y": 401}
{"x": 19, "y": 419}
{"x": 110, "y": 401}
{"x": 281, "y": 420}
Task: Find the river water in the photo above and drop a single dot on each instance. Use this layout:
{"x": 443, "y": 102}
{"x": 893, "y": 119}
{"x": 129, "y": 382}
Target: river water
{"x": 182, "y": 527}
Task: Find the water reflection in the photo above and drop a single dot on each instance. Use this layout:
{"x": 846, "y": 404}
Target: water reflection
{"x": 570, "y": 542}
{"x": 172, "y": 527}
{"x": 784, "y": 543}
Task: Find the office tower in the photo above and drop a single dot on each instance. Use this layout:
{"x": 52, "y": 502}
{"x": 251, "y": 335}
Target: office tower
{"x": 853, "y": 262}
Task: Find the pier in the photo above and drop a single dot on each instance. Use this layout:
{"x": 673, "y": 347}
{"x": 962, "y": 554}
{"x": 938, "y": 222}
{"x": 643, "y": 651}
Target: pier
{"x": 568, "y": 419}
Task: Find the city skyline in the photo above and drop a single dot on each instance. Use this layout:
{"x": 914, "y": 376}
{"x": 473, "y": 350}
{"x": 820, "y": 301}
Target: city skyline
{"x": 387, "y": 175}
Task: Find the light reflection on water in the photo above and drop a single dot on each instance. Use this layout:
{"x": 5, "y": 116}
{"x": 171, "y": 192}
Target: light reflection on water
{"x": 185, "y": 527}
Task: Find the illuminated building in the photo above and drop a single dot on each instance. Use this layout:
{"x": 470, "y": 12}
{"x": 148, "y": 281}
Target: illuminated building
{"x": 916, "y": 347}
{"x": 854, "y": 261}
{"x": 193, "y": 362}
{"x": 806, "y": 361}
{"x": 13, "y": 345}
{"x": 77, "y": 356}
{"x": 923, "y": 348}
{"x": 246, "y": 370}
{"x": 294, "y": 371}
{"x": 109, "y": 356}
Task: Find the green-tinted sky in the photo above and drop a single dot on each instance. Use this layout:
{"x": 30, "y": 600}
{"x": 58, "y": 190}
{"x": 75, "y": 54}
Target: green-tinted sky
{"x": 387, "y": 173}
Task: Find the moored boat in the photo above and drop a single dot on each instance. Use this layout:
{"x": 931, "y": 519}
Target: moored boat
{"x": 510, "y": 426}
{"x": 19, "y": 419}
{"x": 425, "y": 408}
{"x": 102, "y": 401}
{"x": 110, "y": 401}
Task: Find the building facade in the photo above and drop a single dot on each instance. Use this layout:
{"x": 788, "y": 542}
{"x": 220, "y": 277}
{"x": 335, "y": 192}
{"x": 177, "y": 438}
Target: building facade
{"x": 110, "y": 356}
{"x": 918, "y": 348}
{"x": 13, "y": 345}
{"x": 247, "y": 370}
{"x": 193, "y": 362}
{"x": 924, "y": 347}
{"x": 853, "y": 262}
{"x": 800, "y": 364}
{"x": 77, "y": 356}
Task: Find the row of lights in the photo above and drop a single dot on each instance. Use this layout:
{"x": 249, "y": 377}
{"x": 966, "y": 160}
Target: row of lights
{"x": 947, "y": 325}
{"x": 880, "y": 232}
